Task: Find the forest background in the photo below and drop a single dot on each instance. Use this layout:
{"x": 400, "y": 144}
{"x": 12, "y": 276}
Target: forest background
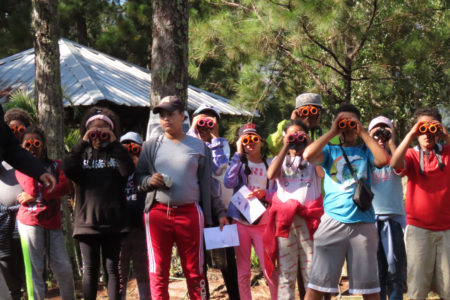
{"x": 386, "y": 56}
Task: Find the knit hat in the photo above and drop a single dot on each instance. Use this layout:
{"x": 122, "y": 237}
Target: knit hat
{"x": 248, "y": 128}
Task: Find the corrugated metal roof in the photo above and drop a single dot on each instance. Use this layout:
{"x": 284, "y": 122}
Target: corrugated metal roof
{"x": 88, "y": 76}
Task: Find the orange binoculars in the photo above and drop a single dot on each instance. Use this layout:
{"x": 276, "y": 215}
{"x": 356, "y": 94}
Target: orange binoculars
{"x": 344, "y": 123}
{"x": 250, "y": 139}
{"x": 17, "y": 129}
{"x": 309, "y": 110}
{"x": 428, "y": 128}
{"x": 33, "y": 143}
{"x": 133, "y": 148}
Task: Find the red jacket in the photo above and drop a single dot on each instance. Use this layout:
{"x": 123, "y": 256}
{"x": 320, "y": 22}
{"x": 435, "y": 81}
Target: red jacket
{"x": 281, "y": 216}
{"x": 46, "y": 210}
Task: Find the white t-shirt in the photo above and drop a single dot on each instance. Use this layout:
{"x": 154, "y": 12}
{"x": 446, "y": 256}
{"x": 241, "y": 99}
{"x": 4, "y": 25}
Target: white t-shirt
{"x": 258, "y": 177}
{"x": 302, "y": 185}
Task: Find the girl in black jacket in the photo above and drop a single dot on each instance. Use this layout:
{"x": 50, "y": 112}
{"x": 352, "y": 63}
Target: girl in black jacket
{"x": 100, "y": 166}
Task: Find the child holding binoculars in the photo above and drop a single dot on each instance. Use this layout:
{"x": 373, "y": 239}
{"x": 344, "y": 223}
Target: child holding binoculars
{"x": 390, "y": 215}
{"x": 100, "y": 166}
{"x": 248, "y": 167}
{"x": 427, "y": 234}
{"x": 295, "y": 212}
{"x": 345, "y": 230}
{"x": 39, "y": 223}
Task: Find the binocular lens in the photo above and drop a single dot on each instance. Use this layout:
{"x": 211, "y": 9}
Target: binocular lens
{"x": 314, "y": 110}
{"x": 342, "y": 124}
{"x": 431, "y": 128}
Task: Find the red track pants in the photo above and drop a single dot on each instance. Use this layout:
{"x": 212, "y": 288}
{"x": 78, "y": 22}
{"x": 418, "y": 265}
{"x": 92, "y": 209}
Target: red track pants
{"x": 184, "y": 226}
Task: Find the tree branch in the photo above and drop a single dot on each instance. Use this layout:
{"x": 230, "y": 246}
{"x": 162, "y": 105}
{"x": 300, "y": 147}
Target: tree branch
{"x": 231, "y": 4}
{"x": 313, "y": 76}
{"x": 285, "y": 6}
{"x": 323, "y": 47}
{"x": 324, "y": 64}
{"x": 366, "y": 32}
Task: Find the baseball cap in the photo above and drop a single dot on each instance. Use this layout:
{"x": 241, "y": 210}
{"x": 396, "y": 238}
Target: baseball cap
{"x": 169, "y": 103}
{"x": 206, "y": 107}
{"x": 132, "y": 137}
{"x": 380, "y": 120}
{"x": 248, "y": 128}
{"x": 308, "y": 99}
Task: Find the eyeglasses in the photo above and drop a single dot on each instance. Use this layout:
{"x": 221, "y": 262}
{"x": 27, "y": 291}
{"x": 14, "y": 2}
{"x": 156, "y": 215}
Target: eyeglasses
{"x": 33, "y": 143}
{"x": 205, "y": 122}
{"x": 297, "y": 137}
{"x": 344, "y": 123}
{"x": 17, "y": 129}
{"x": 428, "y": 127}
{"x": 133, "y": 148}
{"x": 97, "y": 134}
{"x": 309, "y": 109}
{"x": 250, "y": 139}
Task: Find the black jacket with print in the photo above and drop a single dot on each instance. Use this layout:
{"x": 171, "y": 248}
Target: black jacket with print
{"x": 100, "y": 177}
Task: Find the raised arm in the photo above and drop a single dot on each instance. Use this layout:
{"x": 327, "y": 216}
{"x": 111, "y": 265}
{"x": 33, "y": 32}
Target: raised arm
{"x": 398, "y": 158}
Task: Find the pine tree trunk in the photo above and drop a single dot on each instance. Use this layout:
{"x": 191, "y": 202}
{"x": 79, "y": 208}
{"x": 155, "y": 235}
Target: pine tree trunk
{"x": 48, "y": 90}
{"x": 48, "y": 79}
{"x": 169, "y": 50}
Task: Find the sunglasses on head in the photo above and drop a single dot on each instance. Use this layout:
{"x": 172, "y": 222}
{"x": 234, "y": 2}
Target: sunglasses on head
{"x": 309, "y": 110}
{"x": 251, "y": 138}
{"x": 344, "y": 123}
{"x": 428, "y": 128}
{"x": 97, "y": 134}
{"x": 33, "y": 143}
{"x": 17, "y": 129}
{"x": 133, "y": 148}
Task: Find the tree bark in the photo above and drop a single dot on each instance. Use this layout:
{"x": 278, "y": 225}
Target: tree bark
{"x": 169, "y": 50}
{"x": 48, "y": 79}
{"x": 48, "y": 92}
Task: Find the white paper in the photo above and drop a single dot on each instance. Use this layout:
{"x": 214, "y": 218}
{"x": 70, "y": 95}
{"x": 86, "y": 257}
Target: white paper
{"x": 214, "y": 238}
{"x": 251, "y": 208}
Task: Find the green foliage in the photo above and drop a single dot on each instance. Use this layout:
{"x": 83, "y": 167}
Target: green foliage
{"x": 71, "y": 138}
{"x": 24, "y": 100}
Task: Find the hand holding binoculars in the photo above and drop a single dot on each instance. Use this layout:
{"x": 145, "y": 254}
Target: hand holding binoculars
{"x": 344, "y": 123}
{"x": 97, "y": 134}
{"x": 206, "y": 123}
{"x": 251, "y": 138}
{"x": 429, "y": 128}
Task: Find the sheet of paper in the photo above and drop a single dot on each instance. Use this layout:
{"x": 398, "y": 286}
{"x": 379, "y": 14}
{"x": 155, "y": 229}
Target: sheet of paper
{"x": 251, "y": 208}
{"x": 214, "y": 238}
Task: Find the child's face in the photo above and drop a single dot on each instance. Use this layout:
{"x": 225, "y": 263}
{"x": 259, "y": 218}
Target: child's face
{"x": 34, "y": 144}
{"x": 172, "y": 121}
{"x": 18, "y": 125}
{"x": 348, "y": 135}
{"x": 293, "y": 129}
{"x": 253, "y": 148}
{"x": 427, "y": 140}
{"x": 97, "y": 125}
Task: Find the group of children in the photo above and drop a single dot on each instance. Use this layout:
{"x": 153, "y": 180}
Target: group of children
{"x": 136, "y": 199}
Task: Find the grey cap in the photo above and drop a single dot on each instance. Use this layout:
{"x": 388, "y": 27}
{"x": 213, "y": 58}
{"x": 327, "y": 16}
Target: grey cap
{"x": 132, "y": 137}
{"x": 308, "y": 99}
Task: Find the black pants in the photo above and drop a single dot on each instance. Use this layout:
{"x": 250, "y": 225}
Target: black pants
{"x": 90, "y": 246}
{"x": 13, "y": 270}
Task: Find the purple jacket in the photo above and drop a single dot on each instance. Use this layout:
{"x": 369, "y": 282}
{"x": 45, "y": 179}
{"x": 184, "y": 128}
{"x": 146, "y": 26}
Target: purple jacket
{"x": 235, "y": 178}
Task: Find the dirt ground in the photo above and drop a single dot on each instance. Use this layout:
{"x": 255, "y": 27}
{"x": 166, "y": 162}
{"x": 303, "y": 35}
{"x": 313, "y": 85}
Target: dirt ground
{"x": 178, "y": 290}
